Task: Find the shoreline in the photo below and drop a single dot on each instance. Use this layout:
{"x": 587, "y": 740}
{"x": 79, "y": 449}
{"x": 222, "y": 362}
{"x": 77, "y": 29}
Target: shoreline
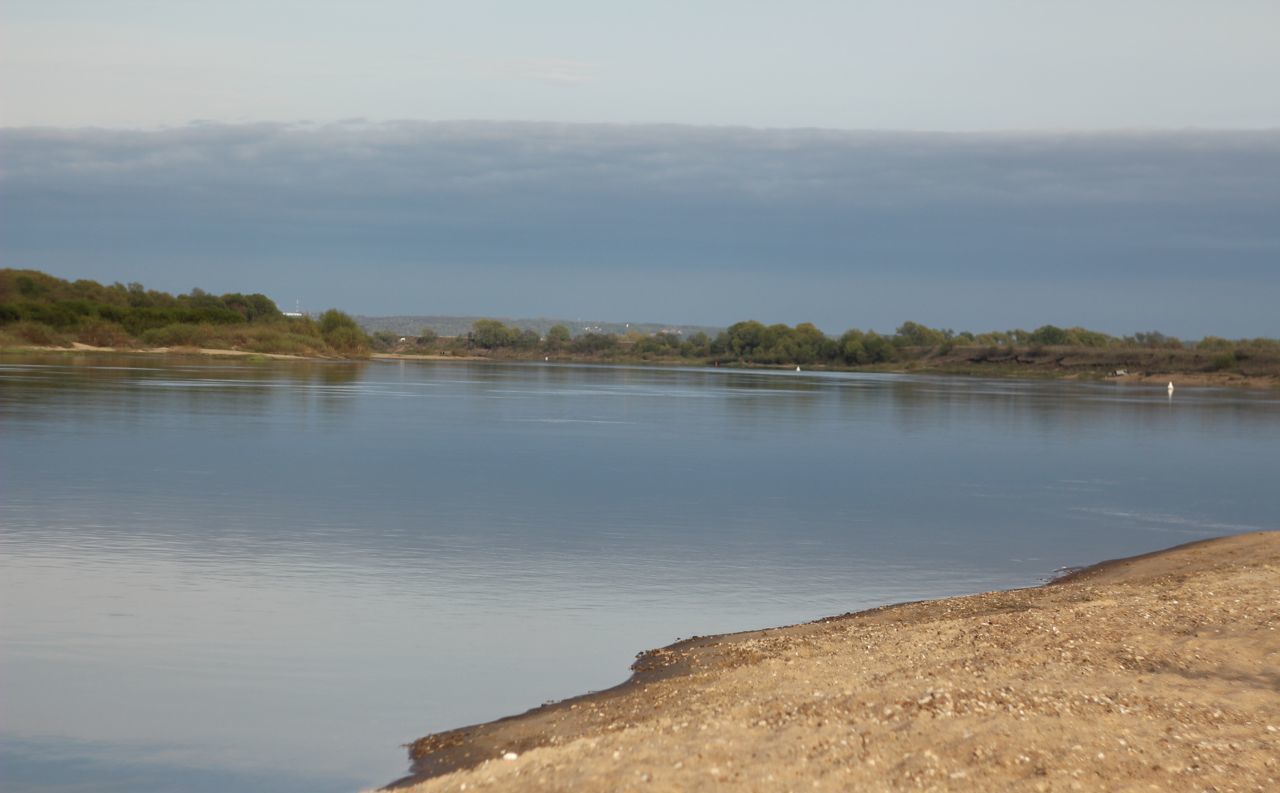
{"x": 191, "y": 352}
{"x": 1185, "y": 379}
{"x": 1157, "y": 669}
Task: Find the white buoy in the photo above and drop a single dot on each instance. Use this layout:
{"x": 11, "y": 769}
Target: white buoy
{"x": 1171, "y": 387}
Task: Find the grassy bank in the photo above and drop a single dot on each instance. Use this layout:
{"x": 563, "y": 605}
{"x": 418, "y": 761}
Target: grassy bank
{"x": 39, "y": 310}
{"x": 1047, "y": 351}
{"x": 1246, "y": 365}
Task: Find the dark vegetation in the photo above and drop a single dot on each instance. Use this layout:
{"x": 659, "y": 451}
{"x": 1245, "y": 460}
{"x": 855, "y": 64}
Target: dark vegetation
{"x": 1047, "y": 350}
{"x": 457, "y": 325}
{"x": 39, "y": 309}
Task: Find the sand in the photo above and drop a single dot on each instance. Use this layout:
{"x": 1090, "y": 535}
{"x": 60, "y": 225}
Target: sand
{"x": 224, "y": 353}
{"x": 207, "y": 351}
{"x": 1155, "y": 673}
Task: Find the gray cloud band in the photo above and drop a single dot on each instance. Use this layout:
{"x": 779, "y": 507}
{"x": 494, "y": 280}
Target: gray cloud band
{"x": 481, "y": 191}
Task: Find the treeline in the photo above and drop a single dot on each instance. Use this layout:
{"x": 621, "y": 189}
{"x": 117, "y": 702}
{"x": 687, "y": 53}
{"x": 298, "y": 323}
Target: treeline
{"x": 493, "y": 336}
{"x": 40, "y": 309}
{"x": 754, "y": 343}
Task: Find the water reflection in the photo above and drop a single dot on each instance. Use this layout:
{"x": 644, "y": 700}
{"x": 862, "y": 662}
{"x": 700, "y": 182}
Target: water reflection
{"x": 53, "y": 386}
{"x": 234, "y": 568}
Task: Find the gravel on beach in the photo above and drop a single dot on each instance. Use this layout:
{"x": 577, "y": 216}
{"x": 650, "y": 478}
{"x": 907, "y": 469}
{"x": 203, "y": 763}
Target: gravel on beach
{"x": 1159, "y": 672}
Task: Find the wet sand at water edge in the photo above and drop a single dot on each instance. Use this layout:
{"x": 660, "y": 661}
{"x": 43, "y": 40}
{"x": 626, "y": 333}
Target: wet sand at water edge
{"x": 1159, "y": 672}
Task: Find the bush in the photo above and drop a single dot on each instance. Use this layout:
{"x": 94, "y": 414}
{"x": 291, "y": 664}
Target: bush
{"x": 333, "y": 320}
{"x": 594, "y": 343}
{"x": 177, "y": 335}
{"x": 287, "y": 343}
{"x": 558, "y": 337}
{"x": 347, "y": 340}
{"x": 101, "y": 333}
{"x": 37, "y": 333}
{"x": 1048, "y": 336}
{"x": 342, "y": 333}
{"x": 490, "y": 334}
{"x": 1224, "y": 362}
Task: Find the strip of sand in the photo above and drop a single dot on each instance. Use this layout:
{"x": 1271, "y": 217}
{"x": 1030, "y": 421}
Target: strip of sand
{"x": 223, "y": 353}
{"x": 1160, "y": 672}
{"x": 205, "y": 351}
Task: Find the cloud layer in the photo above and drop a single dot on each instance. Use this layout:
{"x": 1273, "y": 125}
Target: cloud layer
{"x": 845, "y": 228}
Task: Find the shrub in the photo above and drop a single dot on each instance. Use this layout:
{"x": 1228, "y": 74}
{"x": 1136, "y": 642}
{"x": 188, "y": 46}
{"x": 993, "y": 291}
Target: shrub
{"x": 347, "y": 340}
{"x": 342, "y": 333}
{"x": 334, "y": 320}
{"x": 288, "y": 343}
{"x": 177, "y": 335}
{"x": 595, "y": 343}
{"x": 1223, "y": 362}
{"x": 101, "y": 333}
{"x": 491, "y": 334}
{"x": 37, "y": 333}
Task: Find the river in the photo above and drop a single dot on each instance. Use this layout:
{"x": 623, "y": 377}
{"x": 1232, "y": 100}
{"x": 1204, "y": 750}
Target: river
{"x": 267, "y": 576}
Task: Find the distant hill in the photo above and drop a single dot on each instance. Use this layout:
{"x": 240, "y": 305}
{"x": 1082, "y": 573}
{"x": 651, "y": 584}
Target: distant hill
{"x": 460, "y": 326}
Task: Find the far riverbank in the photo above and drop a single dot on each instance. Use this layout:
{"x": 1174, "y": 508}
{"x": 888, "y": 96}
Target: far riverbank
{"x": 1136, "y": 368}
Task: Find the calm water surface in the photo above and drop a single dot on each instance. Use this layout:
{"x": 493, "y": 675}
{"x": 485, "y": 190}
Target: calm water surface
{"x": 266, "y": 577}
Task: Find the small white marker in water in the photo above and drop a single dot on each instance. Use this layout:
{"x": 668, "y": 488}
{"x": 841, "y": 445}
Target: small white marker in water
{"x": 797, "y": 368}
{"x": 1170, "y": 387}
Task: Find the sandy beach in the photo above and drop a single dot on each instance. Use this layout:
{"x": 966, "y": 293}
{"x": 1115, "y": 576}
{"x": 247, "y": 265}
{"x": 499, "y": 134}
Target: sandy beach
{"x": 1159, "y": 672}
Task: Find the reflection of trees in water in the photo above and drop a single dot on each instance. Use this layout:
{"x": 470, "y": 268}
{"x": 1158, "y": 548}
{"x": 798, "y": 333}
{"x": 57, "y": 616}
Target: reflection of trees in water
{"x": 759, "y": 401}
{"x": 321, "y": 387}
{"x": 129, "y": 387}
{"x": 1059, "y": 409}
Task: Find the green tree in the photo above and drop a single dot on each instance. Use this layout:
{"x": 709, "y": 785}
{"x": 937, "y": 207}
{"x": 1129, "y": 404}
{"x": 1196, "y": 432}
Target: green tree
{"x": 696, "y": 346}
{"x": 808, "y": 344}
{"x": 913, "y": 334}
{"x": 527, "y": 340}
{"x": 878, "y": 349}
{"x": 341, "y": 332}
{"x": 745, "y": 338}
{"x": 593, "y": 343}
{"x": 851, "y": 348}
{"x": 558, "y": 337}
{"x": 1048, "y": 335}
{"x": 254, "y": 308}
{"x": 491, "y": 334}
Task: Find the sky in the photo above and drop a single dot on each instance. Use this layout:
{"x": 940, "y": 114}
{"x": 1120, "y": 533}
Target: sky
{"x": 978, "y": 165}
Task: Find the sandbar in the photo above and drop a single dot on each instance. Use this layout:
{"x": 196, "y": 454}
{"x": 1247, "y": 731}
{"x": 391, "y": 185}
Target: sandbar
{"x": 1158, "y": 672}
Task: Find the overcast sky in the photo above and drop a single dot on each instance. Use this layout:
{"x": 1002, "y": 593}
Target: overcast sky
{"x": 976, "y": 165}
{"x": 854, "y": 64}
